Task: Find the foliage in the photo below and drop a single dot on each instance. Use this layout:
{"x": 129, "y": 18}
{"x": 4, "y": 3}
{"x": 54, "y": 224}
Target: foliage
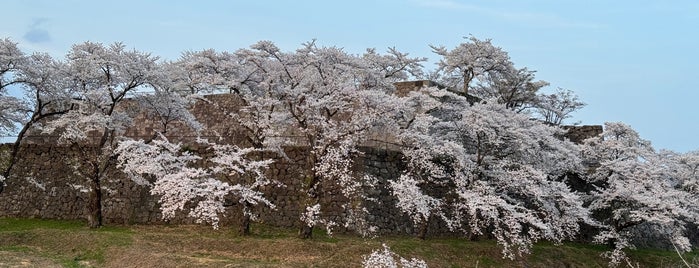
{"x": 502, "y": 168}
{"x": 12, "y": 108}
{"x": 180, "y": 181}
{"x": 41, "y": 80}
{"x": 320, "y": 98}
{"x": 395, "y": 66}
{"x": 513, "y": 87}
{"x": 99, "y": 79}
{"x": 482, "y": 69}
{"x": 387, "y": 259}
{"x": 555, "y": 107}
{"x": 640, "y": 186}
{"x": 470, "y": 61}
{"x": 486, "y": 169}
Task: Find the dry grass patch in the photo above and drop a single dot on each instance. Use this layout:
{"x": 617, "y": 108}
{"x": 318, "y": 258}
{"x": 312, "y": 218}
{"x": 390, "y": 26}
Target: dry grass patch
{"x": 200, "y": 246}
{"x": 22, "y": 259}
{"x": 42, "y": 243}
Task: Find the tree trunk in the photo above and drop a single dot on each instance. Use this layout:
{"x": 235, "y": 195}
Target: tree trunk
{"x": 13, "y": 156}
{"x": 94, "y": 206}
{"x": 15, "y": 152}
{"x": 36, "y": 116}
{"x": 244, "y": 227}
{"x": 468, "y": 76}
{"x": 422, "y": 232}
{"x": 306, "y": 232}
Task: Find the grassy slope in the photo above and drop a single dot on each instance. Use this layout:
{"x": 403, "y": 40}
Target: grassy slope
{"x": 50, "y": 243}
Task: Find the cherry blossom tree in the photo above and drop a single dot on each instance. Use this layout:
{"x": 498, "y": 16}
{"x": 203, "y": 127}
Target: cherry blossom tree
{"x": 687, "y": 170}
{"x": 484, "y": 70}
{"x": 100, "y": 78}
{"x": 515, "y": 88}
{"x": 502, "y": 169}
{"x": 331, "y": 114}
{"x": 555, "y": 107}
{"x": 208, "y": 71}
{"x": 13, "y": 108}
{"x": 41, "y": 79}
{"x": 310, "y": 98}
{"x": 322, "y": 100}
{"x": 201, "y": 180}
{"x": 470, "y": 61}
{"x": 238, "y": 74}
{"x": 263, "y": 78}
{"x": 638, "y": 185}
{"x": 386, "y": 69}
{"x": 428, "y": 156}
{"x": 181, "y": 179}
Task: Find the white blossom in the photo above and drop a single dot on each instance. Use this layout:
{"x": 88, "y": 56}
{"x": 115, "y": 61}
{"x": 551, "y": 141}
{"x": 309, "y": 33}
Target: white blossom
{"x": 388, "y": 259}
{"x": 558, "y": 106}
{"x": 502, "y": 167}
{"x": 312, "y": 215}
{"x": 13, "y": 110}
{"x": 320, "y": 98}
{"x": 179, "y": 180}
{"x": 639, "y": 185}
{"x": 412, "y": 201}
{"x": 470, "y": 60}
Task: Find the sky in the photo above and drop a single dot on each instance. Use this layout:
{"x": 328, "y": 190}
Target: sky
{"x": 630, "y": 61}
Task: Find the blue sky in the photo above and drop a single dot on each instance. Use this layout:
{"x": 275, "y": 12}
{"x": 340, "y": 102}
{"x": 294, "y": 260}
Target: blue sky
{"x": 631, "y": 61}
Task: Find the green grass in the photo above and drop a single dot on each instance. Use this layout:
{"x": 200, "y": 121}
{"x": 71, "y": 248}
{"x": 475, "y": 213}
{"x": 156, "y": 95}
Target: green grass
{"x": 68, "y": 243}
{"x": 664, "y": 258}
{"x": 55, "y": 243}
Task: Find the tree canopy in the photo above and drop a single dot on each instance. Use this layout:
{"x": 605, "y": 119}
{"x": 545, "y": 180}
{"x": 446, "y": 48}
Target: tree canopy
{"x": 502, "y": 165}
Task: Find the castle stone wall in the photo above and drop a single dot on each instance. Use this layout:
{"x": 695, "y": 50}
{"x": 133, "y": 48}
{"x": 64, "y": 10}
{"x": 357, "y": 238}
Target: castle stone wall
{"x": 45, "y": 183}
{"x": 46, "y": 186}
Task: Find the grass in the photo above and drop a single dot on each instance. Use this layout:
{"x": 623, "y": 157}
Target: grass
{"x": 67, "y": 243}
{"x": 55, "y": 243}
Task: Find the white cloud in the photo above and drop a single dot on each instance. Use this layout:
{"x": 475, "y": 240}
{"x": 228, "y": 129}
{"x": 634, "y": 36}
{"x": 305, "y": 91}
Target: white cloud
{"x": 37, "y": 36}
{"x": 37, "y": 33}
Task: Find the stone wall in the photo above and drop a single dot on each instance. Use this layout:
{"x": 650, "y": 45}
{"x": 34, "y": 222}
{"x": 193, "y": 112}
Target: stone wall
{"x": 46, "y": 186}
{"x": 403, "y": 88}
{"x": 45, "y": 183}
{"x": 578, "y": 134}
{"x": 49, "y": 187}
